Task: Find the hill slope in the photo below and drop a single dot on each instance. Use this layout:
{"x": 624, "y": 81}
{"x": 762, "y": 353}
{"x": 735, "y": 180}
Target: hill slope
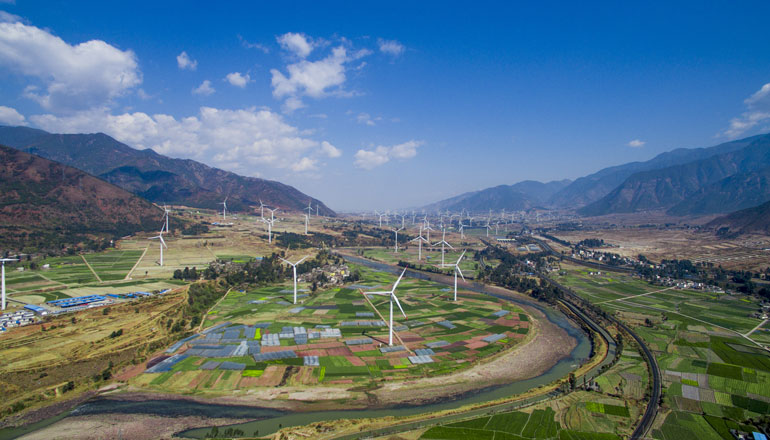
{"x": 672, "y": 187}
{"x": 44, "y": 204}
{"x": 154, "y": 176}
{"x": 591, "y": 188}
{"x": 520, "y": 196}
{"x": 755, "y": 219}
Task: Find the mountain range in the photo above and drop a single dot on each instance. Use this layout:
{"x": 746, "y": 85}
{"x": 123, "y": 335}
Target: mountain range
{"x": 156, "y": 177}
{"x": 755, "y": 219}
{"x": 683, "y": 182}
{"x": 44, "y": 204}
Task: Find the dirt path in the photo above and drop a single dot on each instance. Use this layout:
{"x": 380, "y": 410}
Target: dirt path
{"x": 395, "y": 333}
{"x": 128, "y": 275}
{"x": 91, "y": 268}
{"x": 203, "y": 321}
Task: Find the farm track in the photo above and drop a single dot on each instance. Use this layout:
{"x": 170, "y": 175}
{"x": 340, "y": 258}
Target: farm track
{"x": 91, "y": 268}
{"x": 128, "y": 275}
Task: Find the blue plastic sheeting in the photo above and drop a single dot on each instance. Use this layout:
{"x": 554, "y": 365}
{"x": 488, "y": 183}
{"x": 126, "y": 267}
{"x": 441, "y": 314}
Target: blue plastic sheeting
{"x": 79, "y": 301}
{"x": 300, "y": 339}
{"x": 210, "y": 365}
{"x": 249, "y": 332}
{"x": 493, "y": 338}
{"x": 241, "y": 349}
{"x": 231, "y": 366}
{"x": 296, "y": 310}
{"x": 34, "y": 308}
{"x": 424, "y": 352}
{"x": 400, "y": 328}
{"x": 501, "y": 313}
{"x": 261, "y": 325}
{"x": 311, "y": 361}
{"x": 254, "y": 349}
{"x": 176, "y": 346}
{"x": 167, "y": 364}
{"x": 415, "y": 323}
{"x": 362, "y": 341}
{"x": 232, "y": 334}
{"x": 287, "y": 354}
{"x": 257, "y": 301}
{"x": 392, "y": 349}
{"x": 437, "y": 344}
{"x": 364, "y": 314}
{"x": 759, "y": 436}
{"x": 222, "y": 351}
{"x": 420, "y": 359}
{"x": 216, "y": 327}
{"x": 271, "y": 340}
{"x": 447, "y": 324}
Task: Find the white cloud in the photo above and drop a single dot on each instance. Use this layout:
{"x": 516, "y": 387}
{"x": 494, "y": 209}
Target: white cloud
{"x": 636, "y": 143}
{"x": 365, "y": 118}
{"x": 298, "y": 44}
{"x": 316, "y": 79}
{"x": 69, "y": 77}
{"x": 10, "y": 116}
{"x": 238, "y": 80}
{"x": 245, "y": 141}
{"x": 368, "y": 159}
{"x": 757, "y": 114}
{"x": 185, "y": 62}
{"x": 204, "y": 89}
{"x": 8, "y": 17}
{"x": 257, "y": 46}
{"x": 330, "y": 150}
{"x": 390, "y": 47}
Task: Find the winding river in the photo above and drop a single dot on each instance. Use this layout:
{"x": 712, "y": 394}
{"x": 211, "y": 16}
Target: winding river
{"x": 265, "y": 421}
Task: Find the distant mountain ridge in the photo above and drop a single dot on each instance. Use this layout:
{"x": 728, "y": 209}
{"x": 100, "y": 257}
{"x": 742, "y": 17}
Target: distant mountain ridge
{"x": 156, "y": 177}
{"x": 588, "y": 189}
{"x": 44, "y": 203}
{"x": 751, "y": 220}
{"x": 678, "y": 188}
{"x": 519, "y": 196}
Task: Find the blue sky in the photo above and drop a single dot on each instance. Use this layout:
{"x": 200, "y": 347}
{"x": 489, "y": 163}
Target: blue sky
{"x": 388, "y": 106}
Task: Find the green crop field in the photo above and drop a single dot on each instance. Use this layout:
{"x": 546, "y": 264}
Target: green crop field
{"x": 712, "y": 375}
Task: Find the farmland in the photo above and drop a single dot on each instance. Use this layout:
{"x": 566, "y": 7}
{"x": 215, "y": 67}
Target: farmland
{"x": 713, "y": 375}
{"x": 344, "y": 336}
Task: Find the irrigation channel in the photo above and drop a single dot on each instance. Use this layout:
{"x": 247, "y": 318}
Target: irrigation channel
{"x": 266, "y": 420}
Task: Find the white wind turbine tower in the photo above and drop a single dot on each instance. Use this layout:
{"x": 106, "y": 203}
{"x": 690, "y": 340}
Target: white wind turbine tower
{"x": 443, "y": 242}
{"x": 224, "y": 209}
{"x": 166, "y": 211}
{"x": 457, "y": 270}
{"x": 403, "y": 216}
{"x": 307, "y": 219}
{"x": 294, "y": 268}
{"x": 161, "y": 243}
{"x": 419, "y": 241}
{"x": 380, "y": 215}
{"x": 2, "y": 262}
{"x": 396, "y": 231}
{"x": 272, "y": 213}
{"x": 428, "y": 228}
{"x": 462, "y": 234}
{"x": 269, "y": 224}
{"x": 392, "y": 295}
{"x": 261, "y": 209}
{"x": 309, "y": 207}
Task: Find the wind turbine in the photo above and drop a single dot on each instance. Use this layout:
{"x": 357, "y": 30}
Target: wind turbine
{"x": 381, "y": 216}
{"x": 403, "y": 216}
{"x": 224, "y": 209}
{"x": 2, "y": 262}
{"x": 261, "y": 209}
{"x": 442, "y": 243}
{"x": 457, "y": 270}
{"x": 272, "y": 213}
{"x": 428, "y": 228}
{"x": 392, "y": 295}
{"x": 462, "y": 234}
{"x": 161, "y": 243}
{"x": 269, "y": 224}
{"x": 419, "y": 241}
{"x": 166, "y": 219}
{"x": 309, "y": 207}
{"x": 294, "y": 268}
{"x": 396, "y": 231}
{"x": 307, "y": 219}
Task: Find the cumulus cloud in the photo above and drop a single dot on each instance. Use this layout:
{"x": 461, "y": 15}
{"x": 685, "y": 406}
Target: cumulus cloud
{"x": 757, "y": 114}
{"x": 244, "y": 141}
{"x": 238, "y": 80}
{"x": 636, "y": 143}
{"x": 316, "y": 79}
{"x": 185, "y": 62}
{"x": 70, "y": 77}
{"x": 10, "y": 116}
{"x": 204, "y": 89}
{"x": 368, "y": 159}
{"x": 298, "y": 44}
{"x": 390, "y": 47}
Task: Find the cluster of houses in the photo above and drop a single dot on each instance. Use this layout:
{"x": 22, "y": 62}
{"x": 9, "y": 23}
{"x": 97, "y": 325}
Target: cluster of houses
{"x": 330, "y": 275}
{"x": 17, "y": 318}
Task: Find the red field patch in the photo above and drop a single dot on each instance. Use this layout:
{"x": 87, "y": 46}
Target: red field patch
{"x": 339, "y": 351}
{"x": 356, "y": 361}
{"x": 311, "y": 353}
{"x": 508, "y": 322}
{"x": 272, "y": 376}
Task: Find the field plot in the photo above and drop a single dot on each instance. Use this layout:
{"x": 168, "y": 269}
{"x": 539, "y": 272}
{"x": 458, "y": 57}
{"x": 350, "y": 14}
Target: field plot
{"x": 337, "y": 337}
{"x": 712, "y": 374}
{"x": 430, "y": 257}
{"x": 113, "y": 264}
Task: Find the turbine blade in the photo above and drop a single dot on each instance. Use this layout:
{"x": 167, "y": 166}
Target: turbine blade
{"x": 393, "y": 295}
{"x": 302, "y": 259}
{"x": 448, "y": 245}
{"x": 461, "y": 257}
{"x": 460, "y": 272}
{"x": 398, "y": 281}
